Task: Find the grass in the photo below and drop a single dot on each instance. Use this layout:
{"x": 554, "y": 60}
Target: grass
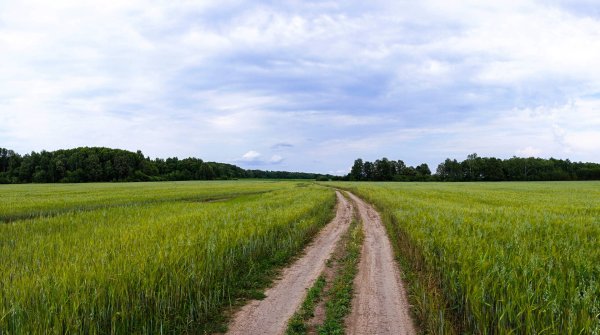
{"x": 297, "y": 324}
{"x": 164, "y": 267}
{"x": 39, "y": 200}
{"x": 485, "y": 258}
{"x": 496, "y": 258}
{"x": 339, "y": 302}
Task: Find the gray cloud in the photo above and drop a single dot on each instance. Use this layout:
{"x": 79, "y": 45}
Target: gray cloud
{"x": 282, "y": 145}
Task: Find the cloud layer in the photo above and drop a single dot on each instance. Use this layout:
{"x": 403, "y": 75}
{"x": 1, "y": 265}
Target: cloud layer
{"x": 303, "y": 85}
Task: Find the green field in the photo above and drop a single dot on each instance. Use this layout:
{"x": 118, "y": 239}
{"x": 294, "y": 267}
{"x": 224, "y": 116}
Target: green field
{"x": 486, "y": 258}
{"x": 497, "y": 258}
{"x": 145, "y": 257}
{"x": 34, "y": 200}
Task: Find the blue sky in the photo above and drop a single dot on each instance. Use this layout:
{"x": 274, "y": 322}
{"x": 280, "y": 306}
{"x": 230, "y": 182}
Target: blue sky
{"x": 303, "y": 85}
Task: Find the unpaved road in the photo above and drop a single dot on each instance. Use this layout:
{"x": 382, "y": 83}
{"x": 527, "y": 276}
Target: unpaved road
{"x": 379, "y": 305}
{"x": 270, "y": 315}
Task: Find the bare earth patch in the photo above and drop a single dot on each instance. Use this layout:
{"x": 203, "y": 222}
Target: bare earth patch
{"x": 380, "y": 305}
{"x": 270, "y": 315}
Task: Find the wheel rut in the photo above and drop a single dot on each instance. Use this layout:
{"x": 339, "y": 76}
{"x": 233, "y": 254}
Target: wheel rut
{"x": 380, "y": 304}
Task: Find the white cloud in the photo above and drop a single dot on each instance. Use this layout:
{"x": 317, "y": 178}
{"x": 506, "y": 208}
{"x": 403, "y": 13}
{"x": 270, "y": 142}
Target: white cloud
{"x": 528, "y": 152}
{"x": 275, "y": 159}
{"x": 417, "y": 81}
{"x": 251, "y": 156}
{"x": 585, "y": 141}
{"x": 255, "y": 158}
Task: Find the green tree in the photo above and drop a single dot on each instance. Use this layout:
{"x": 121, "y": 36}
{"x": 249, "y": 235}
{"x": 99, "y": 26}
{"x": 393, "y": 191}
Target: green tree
{"x": 369, "y": 171}
{"x": 423, "y": 172}
{"x": 356, "y": 173}
{"x": 384, "y": 170}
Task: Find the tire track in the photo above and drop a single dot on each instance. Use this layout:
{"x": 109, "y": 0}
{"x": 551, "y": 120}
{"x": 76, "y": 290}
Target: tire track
{"x": 379, "y": 304}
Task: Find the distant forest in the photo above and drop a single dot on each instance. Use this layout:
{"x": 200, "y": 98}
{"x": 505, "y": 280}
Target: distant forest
{"x": 113, "y": 165}
{"x": 105, "y": 164}
{"x": 476, "y": 168}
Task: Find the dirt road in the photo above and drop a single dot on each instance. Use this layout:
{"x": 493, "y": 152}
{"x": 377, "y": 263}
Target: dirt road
{"x": 379, "y": 305}
{"x": 270, "y": 315}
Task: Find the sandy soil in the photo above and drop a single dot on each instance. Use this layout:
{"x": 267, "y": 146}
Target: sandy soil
{"x": 379, "y": 305}
{"x": 270, "y": 315}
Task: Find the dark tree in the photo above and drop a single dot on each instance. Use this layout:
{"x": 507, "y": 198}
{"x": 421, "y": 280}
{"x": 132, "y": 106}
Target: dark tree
{"x": 368, "y": 171}
{"x": 423, "y": 172}
{"x": 356, "y": 173}
{"x": 384, "y": 170}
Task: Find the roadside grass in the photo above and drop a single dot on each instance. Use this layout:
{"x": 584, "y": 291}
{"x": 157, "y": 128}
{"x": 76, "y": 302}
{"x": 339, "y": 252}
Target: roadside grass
{"x": 431, "y": 311}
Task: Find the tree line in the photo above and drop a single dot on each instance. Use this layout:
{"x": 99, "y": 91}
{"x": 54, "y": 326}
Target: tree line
{"x": 475, "y": 168}
{"x": 98, "y": 164}
{"x": 388, "y": 170}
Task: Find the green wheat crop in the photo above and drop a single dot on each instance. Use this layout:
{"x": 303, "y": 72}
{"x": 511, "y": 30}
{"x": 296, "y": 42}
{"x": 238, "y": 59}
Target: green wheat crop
{"x": 509, "y": 258}
{"x": 35, "y": 200}
{"x": 164, "y": 267}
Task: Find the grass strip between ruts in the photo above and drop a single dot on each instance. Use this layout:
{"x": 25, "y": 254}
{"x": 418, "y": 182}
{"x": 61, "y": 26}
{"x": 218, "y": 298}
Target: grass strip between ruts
{"x": 338, "y": 295}
{"x": 339, "y": 304}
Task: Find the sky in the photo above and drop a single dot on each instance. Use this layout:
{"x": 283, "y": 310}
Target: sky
{"x": 303, "y": 85}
